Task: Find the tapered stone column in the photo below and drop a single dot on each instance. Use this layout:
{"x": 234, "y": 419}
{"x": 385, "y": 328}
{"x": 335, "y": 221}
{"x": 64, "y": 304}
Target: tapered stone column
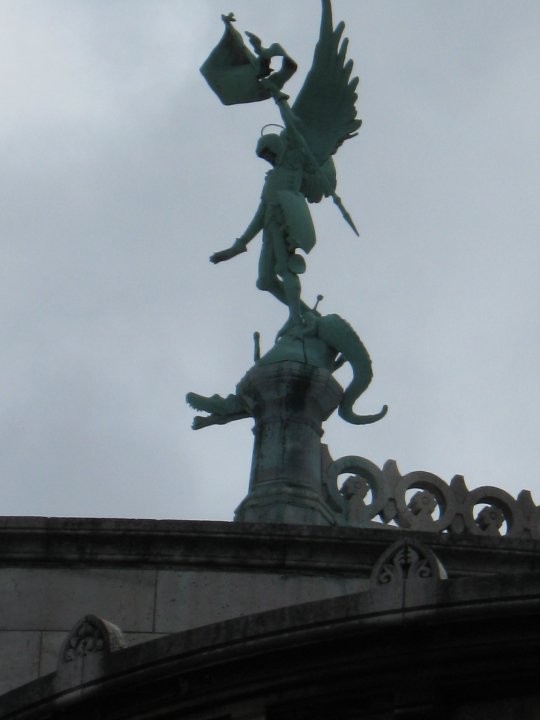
{"x": 289, "y": 401}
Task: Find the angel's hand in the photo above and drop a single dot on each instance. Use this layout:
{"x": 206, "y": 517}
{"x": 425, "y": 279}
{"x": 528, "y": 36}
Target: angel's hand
{"x": 273, "y": 90}
{"x": 222, "y": 255}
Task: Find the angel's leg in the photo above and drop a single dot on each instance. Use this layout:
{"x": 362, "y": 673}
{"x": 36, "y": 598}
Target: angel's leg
{"x": 290, "y": 281}
{"x": 268, "y": 280}
{"x": 273, "y": 261}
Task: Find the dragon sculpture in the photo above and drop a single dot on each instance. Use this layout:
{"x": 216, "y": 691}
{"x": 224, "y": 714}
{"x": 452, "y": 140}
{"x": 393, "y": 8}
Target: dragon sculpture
{"x": 325, "y": 341}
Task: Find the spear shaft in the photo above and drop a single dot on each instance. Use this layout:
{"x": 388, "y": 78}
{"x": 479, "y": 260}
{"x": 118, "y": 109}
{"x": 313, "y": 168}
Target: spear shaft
{"x": 290, "y": 123}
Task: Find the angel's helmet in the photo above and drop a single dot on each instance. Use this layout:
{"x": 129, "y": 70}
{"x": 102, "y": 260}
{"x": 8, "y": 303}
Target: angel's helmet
{"x": 270, "y": 147}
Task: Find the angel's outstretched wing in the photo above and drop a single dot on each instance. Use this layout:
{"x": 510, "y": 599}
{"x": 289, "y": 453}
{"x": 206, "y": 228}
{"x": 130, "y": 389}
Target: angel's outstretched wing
{"x": 325, "y": 107}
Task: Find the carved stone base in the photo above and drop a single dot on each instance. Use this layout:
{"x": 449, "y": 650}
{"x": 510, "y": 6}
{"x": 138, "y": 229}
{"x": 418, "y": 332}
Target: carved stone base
{"x": 282, "y": 502}
{"x": 289, "y": 401}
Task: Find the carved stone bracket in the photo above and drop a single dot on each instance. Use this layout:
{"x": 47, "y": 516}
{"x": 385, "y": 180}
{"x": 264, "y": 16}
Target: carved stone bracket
{"x": 407, "y": 561}
{"x": 423, "y": 501}
{"x": 91, "y": 635}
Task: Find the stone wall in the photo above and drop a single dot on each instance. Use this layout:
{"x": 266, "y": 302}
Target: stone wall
{"x": 72, "y": 568}
{"x": 155, "y": 578}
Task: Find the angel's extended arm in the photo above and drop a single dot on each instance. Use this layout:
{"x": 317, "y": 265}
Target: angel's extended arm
{"x": 240, "y": 244}
{"x": 255, "y": 226}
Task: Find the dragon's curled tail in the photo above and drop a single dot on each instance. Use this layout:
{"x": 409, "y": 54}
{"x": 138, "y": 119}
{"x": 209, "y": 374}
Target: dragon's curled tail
{"x": 337, "y": 333}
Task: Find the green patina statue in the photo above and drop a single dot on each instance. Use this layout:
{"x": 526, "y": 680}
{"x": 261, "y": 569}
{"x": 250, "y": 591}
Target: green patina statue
{"x": 291, "y": 390}
{"x": 320, "y": 120}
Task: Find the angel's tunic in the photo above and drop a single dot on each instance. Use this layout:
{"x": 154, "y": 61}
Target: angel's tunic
{"x": 285, "y": 205}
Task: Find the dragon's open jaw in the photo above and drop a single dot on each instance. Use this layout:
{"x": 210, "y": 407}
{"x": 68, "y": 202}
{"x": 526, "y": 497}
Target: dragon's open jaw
{"x": 221, "y": 410}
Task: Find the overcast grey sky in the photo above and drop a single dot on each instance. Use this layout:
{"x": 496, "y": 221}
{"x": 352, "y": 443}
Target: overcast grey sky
{"x": 121, "y": 173}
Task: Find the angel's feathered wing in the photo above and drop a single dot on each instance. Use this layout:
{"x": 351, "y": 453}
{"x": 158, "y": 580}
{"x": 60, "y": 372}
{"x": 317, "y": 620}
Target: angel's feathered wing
{"x": 325, "y": 107}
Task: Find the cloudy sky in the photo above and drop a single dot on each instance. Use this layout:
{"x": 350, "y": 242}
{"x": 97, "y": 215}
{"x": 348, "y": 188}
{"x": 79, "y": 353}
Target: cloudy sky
{"x": 120, "y": 173}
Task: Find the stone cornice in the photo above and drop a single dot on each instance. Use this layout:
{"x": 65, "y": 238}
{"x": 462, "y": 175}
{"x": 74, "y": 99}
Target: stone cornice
{"x": 47, "y": 542}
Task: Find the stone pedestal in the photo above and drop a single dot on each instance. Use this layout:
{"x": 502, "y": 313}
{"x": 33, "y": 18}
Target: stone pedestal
{"x": 289, "y": 401}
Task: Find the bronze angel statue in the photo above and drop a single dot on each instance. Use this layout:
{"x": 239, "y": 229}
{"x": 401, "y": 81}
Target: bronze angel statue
{"x": 321, "y": 118}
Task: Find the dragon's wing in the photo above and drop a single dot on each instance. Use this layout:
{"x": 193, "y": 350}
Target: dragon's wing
{"x": 325, "y": 108}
